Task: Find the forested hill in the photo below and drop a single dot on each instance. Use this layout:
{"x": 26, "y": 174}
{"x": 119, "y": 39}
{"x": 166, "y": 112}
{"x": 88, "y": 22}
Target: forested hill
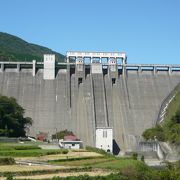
{"x": 13, "y": 48}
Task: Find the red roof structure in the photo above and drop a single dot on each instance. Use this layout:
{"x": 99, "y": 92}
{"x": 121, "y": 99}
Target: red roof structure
{"x": 70, "y": 138}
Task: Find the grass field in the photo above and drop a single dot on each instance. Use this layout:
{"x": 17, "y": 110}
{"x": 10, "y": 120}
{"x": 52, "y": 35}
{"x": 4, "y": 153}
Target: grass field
{"x": 102, "y": 162}
{"x": 26, "y": 150}
{"x": 173, "y": 107}
{"x": 84, "y": 161}
{"x": 55, "y": 157}
{"x": 120, "y": 163}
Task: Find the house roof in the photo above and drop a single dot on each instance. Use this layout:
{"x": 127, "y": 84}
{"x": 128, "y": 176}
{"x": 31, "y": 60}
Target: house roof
{"x": 75, "y": 142}
{"x": 70, "y": 138}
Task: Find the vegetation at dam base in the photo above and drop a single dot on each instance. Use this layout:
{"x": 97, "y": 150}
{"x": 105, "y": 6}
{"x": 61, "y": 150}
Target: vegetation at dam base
{"x": 169, "y": 131}
{"x": 61, "y": 134}
{"x": 12, "y": 120}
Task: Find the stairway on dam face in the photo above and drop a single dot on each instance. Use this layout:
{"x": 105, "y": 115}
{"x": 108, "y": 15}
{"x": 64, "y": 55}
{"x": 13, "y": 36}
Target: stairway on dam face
{"x": 99, "y": 100}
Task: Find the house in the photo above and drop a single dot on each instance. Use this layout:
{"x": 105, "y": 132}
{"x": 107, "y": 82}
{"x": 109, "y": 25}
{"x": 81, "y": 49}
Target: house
{"x": 70, "y": 142}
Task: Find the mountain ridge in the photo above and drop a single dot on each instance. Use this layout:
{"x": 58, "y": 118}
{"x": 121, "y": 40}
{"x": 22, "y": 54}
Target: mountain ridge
{"x": 13, "y": 48}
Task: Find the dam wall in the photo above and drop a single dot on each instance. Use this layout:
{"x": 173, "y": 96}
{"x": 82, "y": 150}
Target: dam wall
{"x": 127, "y": 98}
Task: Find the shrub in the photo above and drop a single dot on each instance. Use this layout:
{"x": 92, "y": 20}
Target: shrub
{"x": 130, "y": 172}
{"x": 142, "y": 158}
{"x": 7, "y": 161}
{"x": 9, "y": 177}
{"x": 117, "y": 176}
{"x": 26, "y": 147}
{"x": 134, "y": 156}
{"x": 61, "y": 134}
{"x": 157, "y": 132}
{"x": 65, "y": 151}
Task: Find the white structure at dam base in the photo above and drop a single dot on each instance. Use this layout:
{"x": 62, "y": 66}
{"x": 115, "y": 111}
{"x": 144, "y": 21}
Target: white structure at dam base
{"x": 104, "y": 138}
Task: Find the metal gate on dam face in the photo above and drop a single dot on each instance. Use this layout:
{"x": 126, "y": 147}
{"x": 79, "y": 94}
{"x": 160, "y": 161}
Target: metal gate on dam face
{"x": 90, "y": 90}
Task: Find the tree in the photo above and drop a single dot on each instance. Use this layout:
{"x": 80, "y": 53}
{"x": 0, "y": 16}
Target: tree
{"x": 169, "y": 131}
{"x": 176, "y": 117}
{"x": 157, "y": 132}
{"x": 12, "y": 120}
{"x": 61, "y": 134}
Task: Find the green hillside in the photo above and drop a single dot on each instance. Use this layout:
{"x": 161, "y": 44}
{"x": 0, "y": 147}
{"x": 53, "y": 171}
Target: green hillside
{"x": 170, "y": 129}
{"x": 13, "y": 48}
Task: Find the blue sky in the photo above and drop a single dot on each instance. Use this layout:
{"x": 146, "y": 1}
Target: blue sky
{"x": 147, "y": 30}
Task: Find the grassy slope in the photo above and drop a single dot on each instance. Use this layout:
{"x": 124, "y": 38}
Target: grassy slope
{"x": 26, "y": 150}
{"x": 170, "y": 129}
{"x": 103, "y": 162}
{"x": 13, "y": 48}
{"x": 171, "y": 125}
{"x": 173, "y": 107}
{"x": 132, "y": 169}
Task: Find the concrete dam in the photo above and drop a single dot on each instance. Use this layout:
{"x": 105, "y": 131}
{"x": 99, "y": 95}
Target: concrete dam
{"x": 93, "y": 91}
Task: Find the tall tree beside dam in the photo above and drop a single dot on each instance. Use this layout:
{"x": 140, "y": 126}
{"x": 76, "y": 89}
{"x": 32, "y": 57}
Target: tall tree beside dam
{"x": 12, "y": 120}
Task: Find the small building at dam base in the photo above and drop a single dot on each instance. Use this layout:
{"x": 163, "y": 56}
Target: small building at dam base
{"x": 104, "y": 138}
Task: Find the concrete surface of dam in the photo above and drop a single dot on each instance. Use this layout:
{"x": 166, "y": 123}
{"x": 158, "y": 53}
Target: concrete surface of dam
{"x": 126, "y": 100}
